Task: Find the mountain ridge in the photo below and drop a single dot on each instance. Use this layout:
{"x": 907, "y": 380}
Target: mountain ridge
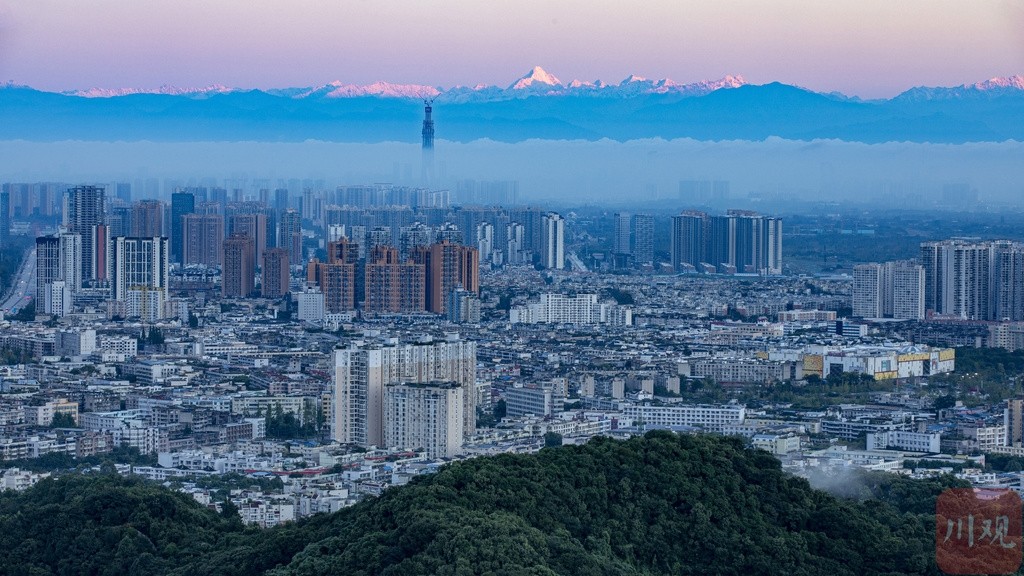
{"x": 537, "y": 106}
{"x": 537, "y": 81}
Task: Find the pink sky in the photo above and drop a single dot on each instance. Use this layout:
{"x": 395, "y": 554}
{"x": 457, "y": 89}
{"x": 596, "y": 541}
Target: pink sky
{"x": 870, "y": 48}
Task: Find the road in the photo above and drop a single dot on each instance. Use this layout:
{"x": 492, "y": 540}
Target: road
{"x": 24, "y": 286}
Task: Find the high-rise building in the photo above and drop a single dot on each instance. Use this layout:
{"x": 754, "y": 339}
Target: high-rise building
{"x": 974, "y": 280}
{"x": 393, "y": 286}
{"x": 908, "y": 285}
{"x": 58, "y": 259}
{"x": 688, "y": 241}
{"x": 203, "y": 236}
{"x": 643, "y": 239}
{"x": 139, "y": 275}
{"x": 449, "y": 232}
{"x": 275, "y": 274}
{"x": 119, "y": 221}
{"x": 147, "y": 220}
{"x": 958, "y": 278}
{"x": 485, "y": 241}
{"x": 5, "y": 217}
{"x": 416, "y": 234}
{"x": 253, "y": 225}
{"x": 181, "y": 203}
{"x": 83, "y": 215}
{"x": 239, "y": 270}
{"x": 515, "y": 244}
{"x": 426, "y": 416}
{"x": 868, "y": 291}
{"x": 463, "y": 307}
{"x": 553, "y": 241}
{"x": 447, "y": 266}
{"x": 289, "y": 235}
{"x": 427, "y": 159}
{"x": 622, "y": 246}
{"x": 1007, "y": 301}
{"x": 361, "y": 373}
{"x": 378, "y": 236}
{"x": 740, "y": 241}
{"x": 889, "y": 290}
{"x": 48, "y": 264}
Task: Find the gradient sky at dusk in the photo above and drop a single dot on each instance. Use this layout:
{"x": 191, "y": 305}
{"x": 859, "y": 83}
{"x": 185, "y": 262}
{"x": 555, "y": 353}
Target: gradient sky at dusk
{"x": 870, "y": 48}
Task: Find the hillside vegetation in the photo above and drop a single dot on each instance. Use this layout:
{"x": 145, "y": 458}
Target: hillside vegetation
{"x": 662, "y": 504}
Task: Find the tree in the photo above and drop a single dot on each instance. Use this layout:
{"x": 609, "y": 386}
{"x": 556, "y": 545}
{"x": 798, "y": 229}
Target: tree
{"x": 552, "y": 440}
{"x": 62, "y": 420}
{"x": 945, "y": 402}
{"x": 500, "y": 410}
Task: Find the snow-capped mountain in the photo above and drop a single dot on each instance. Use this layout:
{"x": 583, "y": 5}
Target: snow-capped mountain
{"x": 536, "y": 82}
{"x": 536, "y": 105}
{"x": 536, "y": 78}
{"x": 986, "y": 89}
{"x": 165, "y": 90}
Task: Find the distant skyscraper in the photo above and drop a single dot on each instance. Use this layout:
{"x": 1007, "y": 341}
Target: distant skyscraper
{"x": 275, "y": 273}
{"x": 447, "y": 266}
{"x": 416, "y": 234}
{"x": 553, "y": 241}
{"x": 392, "y": 286}
{"x": 740, "y": 241}
{"x": 5, "y": 217}
{"x": 868, "y": 290}
{"x": 181, "y": 203}
{"x": 123, "y": 190}
{"x": 253, "y": 226}
{"x": 238, "y": 275}
{"x": 449, "y": 232}
{"x": 621, "y": 235}
{"x": 58, "y": 259}
{"x": 688, "y": 242}
{"x": 428, "y": 141}
{"x": 147, "y": 219}
{"x": 974, "y": 280}
{"x": 515, "y": 240}
{"x": 289, "y": 235}
{"x": 643, "y": 239}
{"x": 203, "y": 235}
{"x": 139, "y": 275}
{"x": 83, "y": 215}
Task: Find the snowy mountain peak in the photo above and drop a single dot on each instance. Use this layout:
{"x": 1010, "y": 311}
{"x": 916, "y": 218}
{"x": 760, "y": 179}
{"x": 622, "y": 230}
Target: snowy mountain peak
{"x": 997, "y": 83}
{"x": 631, "y": 79}
{"x": 164, "y": 90}
{"x": 534, "y": 77}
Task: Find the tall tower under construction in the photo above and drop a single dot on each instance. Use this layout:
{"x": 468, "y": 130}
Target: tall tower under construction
{"x": 428, "y": 142}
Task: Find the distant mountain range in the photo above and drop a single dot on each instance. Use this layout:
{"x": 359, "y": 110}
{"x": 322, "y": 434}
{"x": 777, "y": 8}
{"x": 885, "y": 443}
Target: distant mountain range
{"x": 537, "y": 105}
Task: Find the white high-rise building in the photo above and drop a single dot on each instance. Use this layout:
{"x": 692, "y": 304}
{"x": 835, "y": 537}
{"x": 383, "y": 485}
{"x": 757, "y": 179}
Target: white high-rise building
{"x": 621, "y": 235}
{"x": 889, "y": 290}
{"x": 426, "y": 416}
{"x": 362, "y": 371}
{"x": 553, "y": 241}
{"x": 58, "y": 259}
{"x": 867, "y": 290}
{"x": 57, "y": 298}
{"x": 907, "y": 281}
{"x": 138, "y": 269}
{"x": 485, "y": 241}
{"x": 515, "y": 248}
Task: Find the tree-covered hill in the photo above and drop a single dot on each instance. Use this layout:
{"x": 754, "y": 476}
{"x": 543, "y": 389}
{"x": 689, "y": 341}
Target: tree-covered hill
{"x": 663, "y": 504}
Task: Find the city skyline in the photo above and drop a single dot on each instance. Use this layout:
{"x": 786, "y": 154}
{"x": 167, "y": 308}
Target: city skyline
{"x": 869, "y": 49}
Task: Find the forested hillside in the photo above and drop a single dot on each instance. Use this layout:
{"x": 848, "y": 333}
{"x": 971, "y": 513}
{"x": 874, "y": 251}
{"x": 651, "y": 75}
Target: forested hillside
{"x": 663, "y": 504}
